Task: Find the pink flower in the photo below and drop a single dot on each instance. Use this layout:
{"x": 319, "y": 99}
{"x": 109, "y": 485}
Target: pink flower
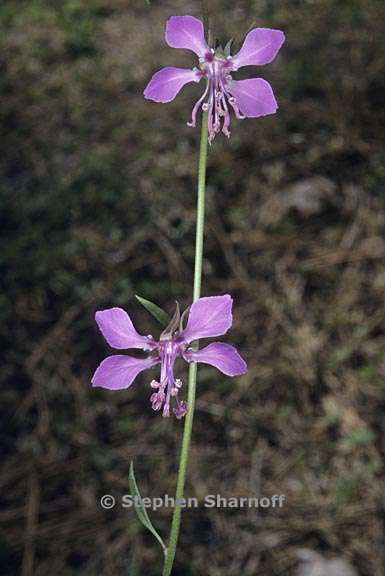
{"x": 248, "y": 98}
{"x": 208, "y": 317}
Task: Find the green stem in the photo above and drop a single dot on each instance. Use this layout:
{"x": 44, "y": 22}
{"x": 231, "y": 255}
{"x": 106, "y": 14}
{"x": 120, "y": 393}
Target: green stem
{"x": 186, "y": 441}
{"x": 200, "y": 225}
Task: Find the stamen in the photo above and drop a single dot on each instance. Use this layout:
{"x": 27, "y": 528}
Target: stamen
{"x": 234, "y": 105}
{"x": 157, "y": 400}
{"x": 211, "y": 119}
{"x": 168, "y": 387}
{"x": 217, "y": 69}
{"x": 226, "y": 113}
{"x": 192, "y": 124}
{"x": 177, "y": 385}
{"x": 181, "y": 409}
{"x": 166, "y": 410}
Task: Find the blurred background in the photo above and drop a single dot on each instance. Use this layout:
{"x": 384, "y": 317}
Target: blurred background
{"x": 98, "y": 190}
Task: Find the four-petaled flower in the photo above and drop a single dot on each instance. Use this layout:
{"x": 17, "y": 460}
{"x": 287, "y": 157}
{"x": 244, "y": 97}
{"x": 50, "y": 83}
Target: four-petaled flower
{"x": 208, "y": 317}
{"x": 248, "y": 98}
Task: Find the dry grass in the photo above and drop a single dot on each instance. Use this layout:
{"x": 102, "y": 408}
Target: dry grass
{"x": 99, "y": 191}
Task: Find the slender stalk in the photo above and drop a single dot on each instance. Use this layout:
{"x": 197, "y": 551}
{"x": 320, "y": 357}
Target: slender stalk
{"x": 186, "y": 441}
{"x": 200, "y": 225}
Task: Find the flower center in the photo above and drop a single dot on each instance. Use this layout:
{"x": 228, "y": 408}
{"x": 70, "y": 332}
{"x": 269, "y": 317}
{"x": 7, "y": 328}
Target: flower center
{"x": 216, "y": 68}
{"x": 168, "y": 387}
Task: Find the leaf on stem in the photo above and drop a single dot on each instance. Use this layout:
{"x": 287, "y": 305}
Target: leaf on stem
{"x": 140, "y": 509}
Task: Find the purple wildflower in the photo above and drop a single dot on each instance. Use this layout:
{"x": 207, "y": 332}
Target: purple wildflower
{"x": 208, "y": 317}
{"x": 248, "y": 98}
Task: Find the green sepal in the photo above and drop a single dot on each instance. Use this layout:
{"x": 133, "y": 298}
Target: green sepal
{"x": 158, "y": 313}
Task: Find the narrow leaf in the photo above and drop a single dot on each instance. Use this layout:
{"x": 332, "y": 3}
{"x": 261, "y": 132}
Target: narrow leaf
{"x": 155, "y": 310}
{"x": 141, "y": 510}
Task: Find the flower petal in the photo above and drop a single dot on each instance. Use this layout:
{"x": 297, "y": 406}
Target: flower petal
{"x": 254, "y": 97}
{"x": 222, "y": 356}
{"x": 166, "y": 83}
{"x": 117, "y": 328}
{"x": 261, "y": 46}
{"x": 187, "y": 32}
{"x": 208, "y": 317}
{"x": 119, "y": 372}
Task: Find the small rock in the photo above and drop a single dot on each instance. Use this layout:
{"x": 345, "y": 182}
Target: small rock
{"x": 313, "y": 564}
{"x": 308, "y": 196}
